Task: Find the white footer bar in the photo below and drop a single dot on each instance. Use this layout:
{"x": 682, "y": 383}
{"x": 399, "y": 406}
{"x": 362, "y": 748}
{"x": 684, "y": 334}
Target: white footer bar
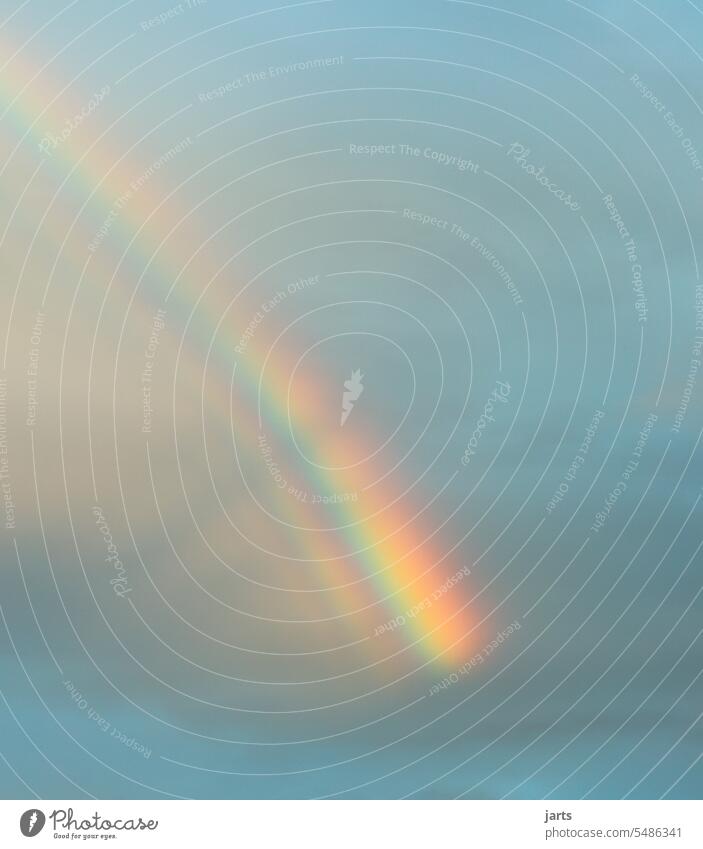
{"x": 353, "y": 824}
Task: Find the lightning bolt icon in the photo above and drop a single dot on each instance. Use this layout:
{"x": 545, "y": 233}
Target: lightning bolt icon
{"x": 32, "y": 821}
{"x": 354, "y": 387}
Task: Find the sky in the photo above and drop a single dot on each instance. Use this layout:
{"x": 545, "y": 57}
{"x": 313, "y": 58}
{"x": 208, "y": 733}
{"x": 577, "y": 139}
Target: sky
{"x": 485, "y": 580}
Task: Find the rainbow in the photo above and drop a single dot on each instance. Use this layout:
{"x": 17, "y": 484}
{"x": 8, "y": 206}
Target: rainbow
{"x": 380, "y": 542}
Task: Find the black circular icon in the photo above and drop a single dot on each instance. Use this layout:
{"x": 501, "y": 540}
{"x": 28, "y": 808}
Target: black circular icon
{"x": 32, "y": 822}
